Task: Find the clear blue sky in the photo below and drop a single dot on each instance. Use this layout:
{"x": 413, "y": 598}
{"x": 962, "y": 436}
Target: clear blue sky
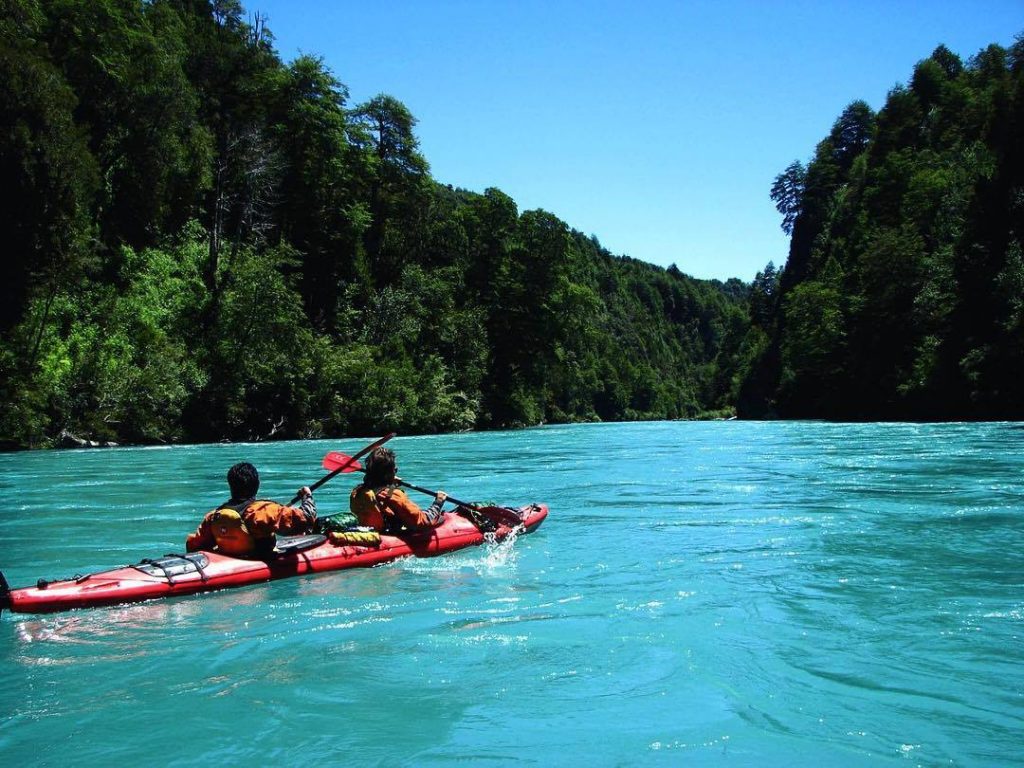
{"x": 657, "y": 126}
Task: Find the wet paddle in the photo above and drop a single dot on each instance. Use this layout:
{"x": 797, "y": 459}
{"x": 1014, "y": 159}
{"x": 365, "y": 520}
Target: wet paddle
{"x": 339, "y": 462}
{"x": 348, "y": 464}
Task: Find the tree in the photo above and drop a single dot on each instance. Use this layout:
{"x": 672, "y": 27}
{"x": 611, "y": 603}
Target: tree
{"x": 396, "y": 171}
{"x": 787, "y": 193}
{"x": 851, "y": 134}
{"x": 126, "y": 63}
{"x": 764, "y": 297}
{"x": 50, "y": 176}
{"x": 813, "y": 348}
{"x": 317, "y": 209}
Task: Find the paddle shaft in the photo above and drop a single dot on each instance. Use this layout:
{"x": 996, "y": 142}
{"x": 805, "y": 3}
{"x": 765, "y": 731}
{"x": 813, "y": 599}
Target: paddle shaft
{"x": 427, "y": 491}
{"x": 506, "y": 516}
{"x": 342, "y": 463}
{"x": 352, "y": 460}
{"x": 349, "y": 464}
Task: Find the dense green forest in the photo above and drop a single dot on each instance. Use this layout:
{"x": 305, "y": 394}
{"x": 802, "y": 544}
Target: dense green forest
{"x": 903, "y": 293}
{"x": 203, "y": 242}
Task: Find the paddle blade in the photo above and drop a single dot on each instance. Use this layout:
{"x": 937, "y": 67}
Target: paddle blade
{"x": 501, "y": 515}
{"x": 335, "y": 459}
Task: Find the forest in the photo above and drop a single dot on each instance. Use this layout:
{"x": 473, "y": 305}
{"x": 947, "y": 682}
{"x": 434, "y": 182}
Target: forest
{"x": 204, "y": 242}
{"x": 903, "y": 294}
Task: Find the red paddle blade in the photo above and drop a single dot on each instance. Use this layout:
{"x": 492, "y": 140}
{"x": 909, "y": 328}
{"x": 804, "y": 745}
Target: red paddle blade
{"x": 335, "y": 459}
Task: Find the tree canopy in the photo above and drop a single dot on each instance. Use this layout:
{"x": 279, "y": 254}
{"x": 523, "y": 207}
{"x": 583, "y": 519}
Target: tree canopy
{"x": 902, "y": 294}
{"x": 205, "y": 242}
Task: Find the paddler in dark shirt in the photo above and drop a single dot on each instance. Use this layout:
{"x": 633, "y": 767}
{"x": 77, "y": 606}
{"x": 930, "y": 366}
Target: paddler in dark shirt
{"x": 244, "y": 526}
{"x": 380, "y": 504}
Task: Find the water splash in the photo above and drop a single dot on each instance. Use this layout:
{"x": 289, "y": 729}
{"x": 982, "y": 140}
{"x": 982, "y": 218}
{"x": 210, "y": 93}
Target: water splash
{"x": 492, "y": 556}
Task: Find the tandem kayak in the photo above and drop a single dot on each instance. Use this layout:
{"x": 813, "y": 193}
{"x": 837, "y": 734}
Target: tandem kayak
{"x": 206, "y": 571}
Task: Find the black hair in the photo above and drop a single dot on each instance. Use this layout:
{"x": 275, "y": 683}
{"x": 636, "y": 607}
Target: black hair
{"x": 243, "y": 480}
{"x": 380, "y": 468}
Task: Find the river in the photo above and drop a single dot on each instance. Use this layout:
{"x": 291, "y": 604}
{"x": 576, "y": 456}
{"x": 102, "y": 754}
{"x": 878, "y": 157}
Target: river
{"x": 702, "y": 593}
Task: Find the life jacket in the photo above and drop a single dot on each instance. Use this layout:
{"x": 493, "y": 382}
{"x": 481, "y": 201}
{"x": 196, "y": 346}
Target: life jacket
{"x": 368, "y": 509}
{"x": 230, "y": 531}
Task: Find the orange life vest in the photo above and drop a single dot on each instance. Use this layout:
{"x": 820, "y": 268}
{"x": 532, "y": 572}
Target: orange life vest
{"x": 388, "y": 509}
{"x": 368, "y": 510}
{"x": 230, "y": 531}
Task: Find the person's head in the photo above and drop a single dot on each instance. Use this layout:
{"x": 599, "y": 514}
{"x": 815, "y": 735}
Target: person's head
{"x": 380, "y": 467}
{"x": 243, "y": 480}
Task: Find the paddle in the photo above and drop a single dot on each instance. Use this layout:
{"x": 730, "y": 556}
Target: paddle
{"x": 343, "y": 466}
{"x": 500, "y": 514}
{"x": 339, "y": 462}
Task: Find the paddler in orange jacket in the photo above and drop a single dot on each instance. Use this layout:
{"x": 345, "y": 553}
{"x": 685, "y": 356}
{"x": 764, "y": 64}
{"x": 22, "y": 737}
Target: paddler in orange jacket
{"x": 380, "y": 504}
{"x": 243, "y": 526}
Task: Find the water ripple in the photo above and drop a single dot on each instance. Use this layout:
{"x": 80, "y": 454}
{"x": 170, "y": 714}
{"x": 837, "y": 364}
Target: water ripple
{"x": 754, "y": 593}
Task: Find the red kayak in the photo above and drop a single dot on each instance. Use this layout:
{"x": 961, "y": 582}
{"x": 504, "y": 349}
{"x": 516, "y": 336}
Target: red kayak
{"x": 204, "y": 571}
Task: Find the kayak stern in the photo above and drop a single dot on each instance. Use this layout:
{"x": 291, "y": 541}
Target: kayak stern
{"x": 5, "y": 593}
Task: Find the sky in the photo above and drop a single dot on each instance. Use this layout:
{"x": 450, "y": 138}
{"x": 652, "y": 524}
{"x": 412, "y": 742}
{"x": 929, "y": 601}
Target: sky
{"x": 657, "y": 126}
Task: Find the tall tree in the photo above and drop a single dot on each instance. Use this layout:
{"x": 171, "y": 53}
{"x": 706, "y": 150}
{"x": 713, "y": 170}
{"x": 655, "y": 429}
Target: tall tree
{"x": 318, "y": 210}
{"x": 396, "y": 175}
{"x": 50, "y": 176}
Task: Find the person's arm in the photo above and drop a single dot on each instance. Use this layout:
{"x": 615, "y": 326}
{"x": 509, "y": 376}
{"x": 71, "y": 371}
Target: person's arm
{"x": 409, "y": 512}
{"x": 268, "y": 517}
{"x": 202, "y": 538}
{"x": 308, "y": 507}
{"x": 434, "y": 513}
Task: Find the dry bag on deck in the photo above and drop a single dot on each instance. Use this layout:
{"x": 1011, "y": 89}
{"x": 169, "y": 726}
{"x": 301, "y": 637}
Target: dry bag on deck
{"x": 355, "y": 538}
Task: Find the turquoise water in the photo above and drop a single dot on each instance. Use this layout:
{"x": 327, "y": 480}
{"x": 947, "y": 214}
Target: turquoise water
{"x": 730, "y": 593}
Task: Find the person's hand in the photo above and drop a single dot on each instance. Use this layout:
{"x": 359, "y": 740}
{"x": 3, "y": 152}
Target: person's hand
{"x": 440, "y": 497}
{"x": 304, "y": 492}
